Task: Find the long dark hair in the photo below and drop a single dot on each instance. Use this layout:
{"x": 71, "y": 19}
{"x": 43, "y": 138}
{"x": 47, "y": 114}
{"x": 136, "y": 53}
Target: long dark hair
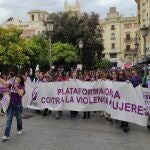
{"x": 21, "y": 80}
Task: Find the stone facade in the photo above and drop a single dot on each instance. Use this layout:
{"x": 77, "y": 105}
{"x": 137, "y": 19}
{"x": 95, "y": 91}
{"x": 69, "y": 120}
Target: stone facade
{"x": 75, "y": 8}
{"x": 143, "y": 11}
{"x": 118, "y": 34}
{"x": 34, "y": 25}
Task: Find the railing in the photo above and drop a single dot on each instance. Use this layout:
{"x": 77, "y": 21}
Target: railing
{"x": 113, "y": 38}
{"x": 131, "y": 50}
{"x": 128, "y": 39}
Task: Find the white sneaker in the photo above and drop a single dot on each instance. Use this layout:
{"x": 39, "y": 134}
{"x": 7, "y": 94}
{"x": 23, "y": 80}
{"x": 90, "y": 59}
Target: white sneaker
{"x": 4, "y": 138}
{"x": 19, "y": 132}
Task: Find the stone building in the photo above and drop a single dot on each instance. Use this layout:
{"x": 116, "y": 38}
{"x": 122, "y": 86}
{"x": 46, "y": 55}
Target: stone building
{"x": 34, "y": 25}
{"x": 118, "y": 34}
{"x": 143, "y": 12}
{"x": 75, "y": 8}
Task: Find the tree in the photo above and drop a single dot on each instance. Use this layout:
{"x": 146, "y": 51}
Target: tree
{"x": 69, "y": 27}
{"x": 103, "y": 64}
{"x": 38, "y": 51}
{"x": 12, "y": 47}
{"x": 64, "y": 54}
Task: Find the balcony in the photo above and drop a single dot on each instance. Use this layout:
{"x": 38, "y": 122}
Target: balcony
{"x": 129, "y": 51}
{"x": 128, "y": 39}
{"x": 113, "y": 59}
{"x": 113, "y": 50}
{"x": 112, "y": 38}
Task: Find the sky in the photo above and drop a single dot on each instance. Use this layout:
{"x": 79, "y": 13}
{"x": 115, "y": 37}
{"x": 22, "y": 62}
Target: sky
{"x": 19, "y": 8}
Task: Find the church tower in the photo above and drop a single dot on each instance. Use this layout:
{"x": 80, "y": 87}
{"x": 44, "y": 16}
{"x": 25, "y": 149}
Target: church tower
{"x": 75, "y": 8}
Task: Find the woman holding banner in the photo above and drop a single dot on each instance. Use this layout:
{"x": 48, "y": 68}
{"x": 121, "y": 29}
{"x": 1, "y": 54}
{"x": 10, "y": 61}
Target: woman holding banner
{"x": 86, "y": 114}
{"x": 61, "y": 77}
{"x": 122, "y": 78}
{"x": 73, "y": 114}
{"x": 135, "y": 79}
{"x": 103, "y": 77}
{"x": 46, "y": 78}
{"x": 17, "y": 90}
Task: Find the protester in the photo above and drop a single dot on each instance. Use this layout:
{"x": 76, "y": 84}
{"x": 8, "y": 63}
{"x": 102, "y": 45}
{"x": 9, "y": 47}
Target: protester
{"x": 103, "y": 77}
{"x": 113, "y": 78}
{"x": 122, "y": 78}
{"x": 11, "y": 77}
{"x": 17, "y": 90}
{"x": 27, "y": 77}
{"x": 146, "y": 84}
{"x": 146, "y": 80}
{"x": 35, "y": 78}
{"x": 61, "y": 77}
{"x": 135, "y": 79}
{"x": 86, "y": 114}
{"x": 47, "y": 78}
{"x": 128, "y": 75}
{"x": 73, "y": 114}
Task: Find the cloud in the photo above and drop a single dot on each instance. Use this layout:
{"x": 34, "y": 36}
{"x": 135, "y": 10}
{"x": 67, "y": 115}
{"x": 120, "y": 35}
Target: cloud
{"x": 19, "y": 8}
{"x": 4, "y": 14}
{"x": 126, "y": 7}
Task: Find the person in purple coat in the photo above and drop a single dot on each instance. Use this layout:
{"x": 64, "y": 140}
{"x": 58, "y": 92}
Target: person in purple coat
{"x": 135, "y": 79}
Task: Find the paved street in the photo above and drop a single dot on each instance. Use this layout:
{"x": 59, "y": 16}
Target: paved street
{"x": 95, "y": 134}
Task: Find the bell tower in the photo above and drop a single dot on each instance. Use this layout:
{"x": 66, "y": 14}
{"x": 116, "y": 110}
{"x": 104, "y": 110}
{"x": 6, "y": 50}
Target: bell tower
{"x": 75, "y": 8}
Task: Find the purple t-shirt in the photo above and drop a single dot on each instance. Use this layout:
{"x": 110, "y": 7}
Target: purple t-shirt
{"x": 14, "y": 96}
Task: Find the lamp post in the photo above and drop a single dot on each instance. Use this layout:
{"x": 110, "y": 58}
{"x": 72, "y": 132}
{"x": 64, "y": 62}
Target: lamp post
{"x": 50, "y": 28}
{"x": 81, "y": 47}
{"x": 136, "y": 47}
{"x": 144, "y": 31}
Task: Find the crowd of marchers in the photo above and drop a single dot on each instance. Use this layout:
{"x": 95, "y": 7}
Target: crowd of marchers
{"x": 12, "y": 88}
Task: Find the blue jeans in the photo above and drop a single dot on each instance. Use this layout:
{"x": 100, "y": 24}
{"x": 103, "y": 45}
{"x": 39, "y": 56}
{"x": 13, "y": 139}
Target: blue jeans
{"x": 17, "y": 110}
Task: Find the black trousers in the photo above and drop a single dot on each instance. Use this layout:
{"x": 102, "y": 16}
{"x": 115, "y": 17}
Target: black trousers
{"x": 124, "y": 124}
{"x": 73, "y": 114}
{"x": 86, "y": 115}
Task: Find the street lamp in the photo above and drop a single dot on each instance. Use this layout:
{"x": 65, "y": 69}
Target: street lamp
{"x": 81, "y": 47}
{"x": 144, "y": 31}
{"x": 136, "y": 47}
{"x": 50, "y": 28}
